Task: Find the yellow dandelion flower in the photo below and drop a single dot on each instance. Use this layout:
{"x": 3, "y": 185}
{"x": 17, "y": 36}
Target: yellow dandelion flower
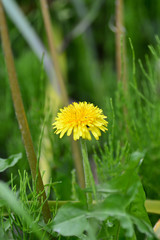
{"x": 81, "y": 118}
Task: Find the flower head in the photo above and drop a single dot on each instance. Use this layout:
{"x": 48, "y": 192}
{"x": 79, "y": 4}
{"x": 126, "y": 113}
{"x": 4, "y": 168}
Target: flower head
{"x": 81, "y": 118}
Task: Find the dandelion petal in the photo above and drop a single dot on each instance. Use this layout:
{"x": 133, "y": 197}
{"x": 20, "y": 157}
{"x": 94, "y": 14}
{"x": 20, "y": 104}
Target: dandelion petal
{"x": 82, "y": 118}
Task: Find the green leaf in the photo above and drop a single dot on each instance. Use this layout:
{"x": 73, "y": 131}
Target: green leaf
{"x": 123, "y": 203}
{"x": 138, "y": 213}
{"x": 9, "y": 162}
{"x": 125, "y": 199}
{"x": 136, "y": 159}
{"x": 114, "y": 206}
{"x": 137, "y": 207}
{"x": 143, "y": 226}
{"x": 70, "y": 221}
{"x": 126, "y": 184}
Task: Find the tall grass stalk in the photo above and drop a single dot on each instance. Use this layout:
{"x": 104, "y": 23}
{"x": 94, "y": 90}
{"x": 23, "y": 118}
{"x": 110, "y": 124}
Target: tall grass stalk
{"x": 64, "y": 94}
{"x": 51, "y": 42}
{"x": 20, "y": 112}
{"x": 120, "y": 45}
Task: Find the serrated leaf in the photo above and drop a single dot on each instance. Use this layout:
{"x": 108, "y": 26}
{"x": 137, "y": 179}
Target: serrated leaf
{"x": 126, "y": 184}
{"x": 124, "y": 202}
{"x": 114, "y": 206}
{"x": 9, "y": 162}
{"x": 127, "y": 205}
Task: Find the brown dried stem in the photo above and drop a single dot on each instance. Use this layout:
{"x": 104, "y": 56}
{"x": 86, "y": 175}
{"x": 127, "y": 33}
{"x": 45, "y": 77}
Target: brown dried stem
{"x": 20, "y": 113}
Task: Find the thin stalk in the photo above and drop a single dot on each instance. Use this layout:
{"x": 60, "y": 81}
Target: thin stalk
{"x": 51, "y": 42}
{"x": 121, "y": 54}
{"x": 120, "y": 45}
{"x": 89, "y": 180}
{"x": 65, "y": 99}
{"x": 78, "y": 162}
{"x": 20, "y": 112}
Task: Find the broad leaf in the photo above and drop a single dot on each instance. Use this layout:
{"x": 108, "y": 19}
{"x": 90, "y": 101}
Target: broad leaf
{"x": 114, "y": 206}
{"x": 9, "y": 162}
{"x": 70, "y": 221}
{"x": 123, "y": 202}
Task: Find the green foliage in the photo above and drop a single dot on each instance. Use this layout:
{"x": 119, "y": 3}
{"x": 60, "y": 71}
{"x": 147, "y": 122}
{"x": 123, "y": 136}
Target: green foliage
{"x": 126, "y": 158}
{"x": 9, "y": 162}
{"x": 121, "y": 202}
{"x": 9, "y": 200}
{"x": 21, "y": 217}
{"x": 70, "y": 221}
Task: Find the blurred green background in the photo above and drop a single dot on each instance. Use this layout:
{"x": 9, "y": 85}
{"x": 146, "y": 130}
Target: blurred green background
{"x": 89, "y": 70}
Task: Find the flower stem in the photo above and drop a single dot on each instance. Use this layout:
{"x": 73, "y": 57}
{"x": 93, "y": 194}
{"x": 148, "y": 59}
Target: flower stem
{"x": 20, "y": 113}
{"x": 89, "y": 180}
